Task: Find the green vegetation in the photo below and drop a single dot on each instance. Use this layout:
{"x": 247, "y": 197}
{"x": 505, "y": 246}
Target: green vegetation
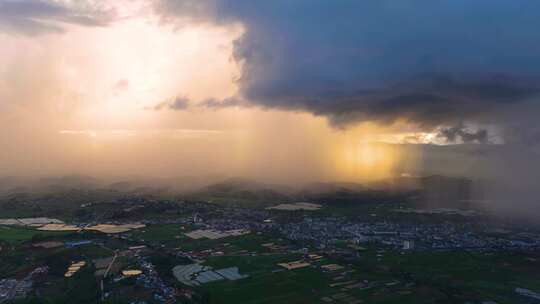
{"x": 390, "y": 278}
{"x": 15, "y": 234}
{"x": 298, "y": 286}
{"x": 173, "y": 236}
{"x": 81, "y": 288}
{"x": 251, "y": 264}
{"x": 265, "y": 286}
{"x": 448, "y": 277}
{"x": 164, "y": 264}
{"x": 249, "y": 242}
{"x": 159, "y": 233}
{"x": 383, "y": 276}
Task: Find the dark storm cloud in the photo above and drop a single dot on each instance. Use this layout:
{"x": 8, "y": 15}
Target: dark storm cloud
{"x": 456, "y": 133}
{"x": 178, "y": 103}
{"x": 214, "y": 103}
{"x": 433, "y": 62}
{"x": 181, "y": 103}
{"x": 33, "y": 17}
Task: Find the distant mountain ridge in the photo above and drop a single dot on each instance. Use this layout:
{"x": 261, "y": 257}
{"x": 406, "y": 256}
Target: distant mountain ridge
{"x": 435, "y": 190}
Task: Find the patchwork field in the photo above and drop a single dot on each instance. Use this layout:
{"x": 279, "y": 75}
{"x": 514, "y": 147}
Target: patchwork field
{"x": 17, "y": 234}
{"x": 381, "y": 277}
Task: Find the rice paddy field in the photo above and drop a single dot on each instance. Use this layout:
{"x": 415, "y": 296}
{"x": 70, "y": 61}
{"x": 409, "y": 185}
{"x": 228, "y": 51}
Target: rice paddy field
{"x": 265, "y": 286}
{"x": 18, "y": 234}
{"x": 382, "y": 277}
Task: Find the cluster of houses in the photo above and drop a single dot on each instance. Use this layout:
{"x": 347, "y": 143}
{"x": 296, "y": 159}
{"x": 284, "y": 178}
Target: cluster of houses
{"x": 11, "y": 289}
{"x": 418, "y": 236}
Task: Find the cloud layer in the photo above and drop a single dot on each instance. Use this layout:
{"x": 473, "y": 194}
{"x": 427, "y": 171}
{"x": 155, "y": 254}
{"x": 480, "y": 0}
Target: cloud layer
{"x": 436, "y": 64}
{"x": 34, "y": 17}
{"x": 431, "y": 62}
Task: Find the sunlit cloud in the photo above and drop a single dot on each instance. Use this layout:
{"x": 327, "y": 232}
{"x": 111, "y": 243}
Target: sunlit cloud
{"x": 119, "y": 134}
{"x": 88, "y": 133}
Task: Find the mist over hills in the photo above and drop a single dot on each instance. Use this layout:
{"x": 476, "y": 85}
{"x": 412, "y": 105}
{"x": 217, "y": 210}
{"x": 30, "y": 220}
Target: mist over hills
{"x": 497, "y": 178}
{"x": 504, "y": 165}
{"x": 436, "y": 188}
{"x": 431, "y": 191}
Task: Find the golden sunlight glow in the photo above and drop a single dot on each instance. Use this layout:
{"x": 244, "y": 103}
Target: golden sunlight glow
{"x": 361, "y": 155}
{"x": 118, "y": 73}
{"x": 368, "y": 161}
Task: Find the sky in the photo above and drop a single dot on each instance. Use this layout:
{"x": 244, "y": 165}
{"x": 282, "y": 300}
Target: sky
{"x": 281, "y": 91}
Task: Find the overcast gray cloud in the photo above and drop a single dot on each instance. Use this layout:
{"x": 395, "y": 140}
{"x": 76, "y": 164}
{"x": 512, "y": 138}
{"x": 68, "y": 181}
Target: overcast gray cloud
{"x": 33, "y": 17}
{"x": 457, "y": 133}
{"x": 214, "y": 103}
{"x": 432, "y": 62}
{"x": 181, "y": 103}
{"x": 178, "y": 103}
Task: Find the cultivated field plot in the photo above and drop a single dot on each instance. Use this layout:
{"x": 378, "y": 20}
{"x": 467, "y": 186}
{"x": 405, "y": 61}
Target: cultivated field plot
{"x": 381, "y": 277}
{"x": 297, "y": 206}
{"x": 13, "y": 234}
{"x": 214, "y": 234}
{"x": 265, "y": 286}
